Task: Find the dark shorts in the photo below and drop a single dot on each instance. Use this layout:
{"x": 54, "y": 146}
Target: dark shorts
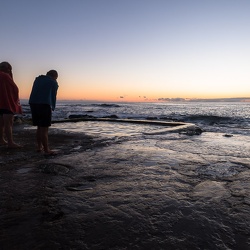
{"x": 5, "y": 111}
{"x": 41, "y": 115}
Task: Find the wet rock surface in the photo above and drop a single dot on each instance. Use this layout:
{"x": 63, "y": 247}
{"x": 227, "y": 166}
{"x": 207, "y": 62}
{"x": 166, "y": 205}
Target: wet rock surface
{"x": 136, "y": 193}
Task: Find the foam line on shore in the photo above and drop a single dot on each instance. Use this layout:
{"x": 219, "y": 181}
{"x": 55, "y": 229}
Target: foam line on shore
{"x": 176, "y": 127}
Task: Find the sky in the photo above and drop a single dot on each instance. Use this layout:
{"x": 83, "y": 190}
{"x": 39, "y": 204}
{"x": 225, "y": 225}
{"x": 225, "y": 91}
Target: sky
{"x": 130, "y": 50}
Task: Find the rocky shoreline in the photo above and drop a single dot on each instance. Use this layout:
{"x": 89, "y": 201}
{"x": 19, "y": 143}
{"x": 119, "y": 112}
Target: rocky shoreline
{"x": 101, "y": 193}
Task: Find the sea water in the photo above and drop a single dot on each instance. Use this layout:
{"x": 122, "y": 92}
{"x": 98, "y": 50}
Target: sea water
{"x": 221, "y": 117}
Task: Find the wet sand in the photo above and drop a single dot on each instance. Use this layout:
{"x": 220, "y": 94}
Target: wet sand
{"x": 106, "y": 193}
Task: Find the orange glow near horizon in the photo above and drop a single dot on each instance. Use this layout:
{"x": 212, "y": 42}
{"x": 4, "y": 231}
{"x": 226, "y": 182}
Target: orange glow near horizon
{"x": 135, "y": 88}
{"x": 115, "y": 95}
{"x": 88, "y": 94}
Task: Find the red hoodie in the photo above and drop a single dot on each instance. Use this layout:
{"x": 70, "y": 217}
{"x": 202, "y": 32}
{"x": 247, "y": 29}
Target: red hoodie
{"x": 9, "y": 98}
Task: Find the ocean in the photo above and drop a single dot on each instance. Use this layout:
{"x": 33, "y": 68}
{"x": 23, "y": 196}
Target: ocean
{"x": 220, "y": 117}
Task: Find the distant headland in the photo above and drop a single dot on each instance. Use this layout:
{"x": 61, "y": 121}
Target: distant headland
{"x": 237, "y": 99}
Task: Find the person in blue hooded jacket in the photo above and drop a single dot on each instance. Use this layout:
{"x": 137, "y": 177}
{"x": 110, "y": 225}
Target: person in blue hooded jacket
{"x": 42, "y": 101}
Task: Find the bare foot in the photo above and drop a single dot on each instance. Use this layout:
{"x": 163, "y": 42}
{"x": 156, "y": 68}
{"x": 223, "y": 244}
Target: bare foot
{"x": 14, "y": 145}
{"x": 50, "y": 152}
{"x": 40, "y": 150}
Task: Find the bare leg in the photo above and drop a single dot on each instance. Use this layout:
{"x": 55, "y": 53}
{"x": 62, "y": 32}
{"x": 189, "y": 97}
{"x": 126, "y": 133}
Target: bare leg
{"x": 43, "y": 139}
{"x": 8, "y": 124}
{"x": 2, "y": 140}
{"x": 39, "y": 140}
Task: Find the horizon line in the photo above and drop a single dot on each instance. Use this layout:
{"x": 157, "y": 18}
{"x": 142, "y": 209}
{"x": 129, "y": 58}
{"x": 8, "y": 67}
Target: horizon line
{"x": 176, "y": 99}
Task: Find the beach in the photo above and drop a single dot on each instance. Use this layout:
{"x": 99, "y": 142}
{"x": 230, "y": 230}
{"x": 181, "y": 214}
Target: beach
{"x": 171, "y": 191}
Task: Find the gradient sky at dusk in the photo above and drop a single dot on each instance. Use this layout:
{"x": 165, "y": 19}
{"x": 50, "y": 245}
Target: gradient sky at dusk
{"x": 130, "y": 50}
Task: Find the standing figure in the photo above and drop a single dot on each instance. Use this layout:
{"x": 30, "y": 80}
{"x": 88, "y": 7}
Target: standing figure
{"x": 42, "y": 101}
{"x": 9, "y": 104}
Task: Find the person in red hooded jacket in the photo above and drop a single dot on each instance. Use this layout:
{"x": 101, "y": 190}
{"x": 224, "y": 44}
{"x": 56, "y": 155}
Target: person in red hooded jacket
{"x": 9, "y": 104}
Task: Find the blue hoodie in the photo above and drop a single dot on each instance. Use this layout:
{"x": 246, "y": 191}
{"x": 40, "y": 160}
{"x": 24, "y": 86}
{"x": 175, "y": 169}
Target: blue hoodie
{"x": 44, "y": 91}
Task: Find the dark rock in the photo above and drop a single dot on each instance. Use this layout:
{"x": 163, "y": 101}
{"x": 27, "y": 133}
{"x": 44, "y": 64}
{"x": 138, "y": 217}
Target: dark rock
{"x": 228, "y": 135}
{"x": 151, "y": 118}
{"x": 110, "y": 105}
{"x": 79, "y": 116}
